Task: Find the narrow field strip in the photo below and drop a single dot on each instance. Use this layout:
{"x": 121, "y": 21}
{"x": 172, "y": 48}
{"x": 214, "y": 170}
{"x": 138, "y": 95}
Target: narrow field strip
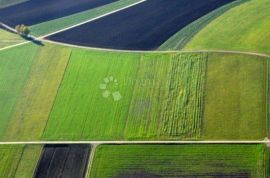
{"x": 30, "y": 114}
{"x": 19, "y": 161}
{"x": 67, "y": 21}
{"x": 14, "y": 72}
{"x": 93, "y": 19}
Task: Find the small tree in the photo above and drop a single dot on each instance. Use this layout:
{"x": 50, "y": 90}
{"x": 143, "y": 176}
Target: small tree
{"x": 22, "y": 30}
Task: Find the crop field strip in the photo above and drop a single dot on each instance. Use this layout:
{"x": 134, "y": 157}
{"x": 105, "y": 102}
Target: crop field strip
{"x": 121, "y": 32}
{"x": 180, "y": 161}
{"x": 7, "y": 3}
{"x": 7, "y": 38}
{"x": 32, "y": 14}
{"x": 19, "y": 161}
{"x": 30, "y": 114}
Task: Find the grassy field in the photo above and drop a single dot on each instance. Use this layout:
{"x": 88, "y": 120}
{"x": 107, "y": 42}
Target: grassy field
{"x": 7, "y": 38}
{"x": 64, "y": 22}
{"x": 18, "y": 161}
{"x": 236, "y": 95}
{"x": 226, "y": 33}
{"x": 33, "y": 106}
{"x": 15, "y": 65}
{"x": 83, "y": 108}
{"x": 179, "y": 161}
{"x": 142, "y": 83}
{"x": 181, "y": 38}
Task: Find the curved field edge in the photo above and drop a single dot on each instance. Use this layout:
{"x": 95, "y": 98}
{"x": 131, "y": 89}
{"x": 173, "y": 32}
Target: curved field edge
{"x": 208, "y": 160}
{"x": 243, "y": 28}
{"x": 52, "y": 26}
{"x": 91, "y": 95}
{"x": 181, "y": 38}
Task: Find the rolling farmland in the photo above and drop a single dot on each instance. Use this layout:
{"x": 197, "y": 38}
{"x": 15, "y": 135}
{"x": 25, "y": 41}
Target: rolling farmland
{"x": 74, "y": 111}
{"x": 251, "y": 35}
{"x": 139, "y": 28}
{"x": 179, "y": 161}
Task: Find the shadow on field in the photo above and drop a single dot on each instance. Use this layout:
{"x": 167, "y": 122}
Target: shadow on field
{"x": 33, "y": 40}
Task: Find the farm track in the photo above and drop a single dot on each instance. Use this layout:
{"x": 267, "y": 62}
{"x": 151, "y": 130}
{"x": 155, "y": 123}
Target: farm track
{"x": 266, "y": 141}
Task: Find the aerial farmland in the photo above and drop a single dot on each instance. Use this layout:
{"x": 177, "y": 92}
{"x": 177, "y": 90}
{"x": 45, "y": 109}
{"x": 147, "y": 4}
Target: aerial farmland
{"x": 134, "y": 88}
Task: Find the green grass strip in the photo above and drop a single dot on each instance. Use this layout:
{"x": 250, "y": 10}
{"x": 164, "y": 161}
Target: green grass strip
{"x": 181, "y": 38}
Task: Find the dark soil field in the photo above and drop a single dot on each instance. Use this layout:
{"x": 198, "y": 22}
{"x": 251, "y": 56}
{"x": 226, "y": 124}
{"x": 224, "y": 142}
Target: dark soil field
{"x": 142, "y": 27}
{"x": 37, "y": 11}
{"x": 67, "y": 161}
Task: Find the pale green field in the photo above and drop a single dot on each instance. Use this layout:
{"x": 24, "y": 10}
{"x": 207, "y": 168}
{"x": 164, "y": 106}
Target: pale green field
{"x": 7, "y": 38}
{"x": 15, "y": 65}
{"x": 181, "y": 38}
{"x": 34, "y": 104}
{"x": 236, "y": 97}
{"x": 244, "y": 28}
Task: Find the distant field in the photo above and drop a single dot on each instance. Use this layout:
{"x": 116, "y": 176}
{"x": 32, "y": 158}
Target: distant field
{"x": 142, "y": 27}
{"x": 67, "y": 21}
{"x": 236, "y": 96}
{"x": 31, "y": 13}
{"x": 7, "y": 38}
{"x": 245, "y": 28}
{"x": 142, "y": 84}
{"x": 179, "y": 161}
{"x": 181, "y": 38}
{"x": 18, "y": 161}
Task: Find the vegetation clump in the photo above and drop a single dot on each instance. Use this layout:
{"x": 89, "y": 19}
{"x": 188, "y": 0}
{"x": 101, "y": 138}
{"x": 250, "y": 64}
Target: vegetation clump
{"x": 22, "y": 30}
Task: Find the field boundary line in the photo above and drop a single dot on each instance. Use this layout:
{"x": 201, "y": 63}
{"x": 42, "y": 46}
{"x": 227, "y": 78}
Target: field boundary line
{"x": 265, "y": 141}
{"x": 93, "y": 19}
{"x": 90, "y": 160}
{"x": 156, "y": 51}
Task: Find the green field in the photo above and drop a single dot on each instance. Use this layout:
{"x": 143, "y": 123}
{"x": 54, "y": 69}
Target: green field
{"x": 179, "y": 161}
{"x": 34, "y": 104}
{"x": 15, "y": 65}
{"x": 67, "y": 21}
{"x": 17, "y": 161}
{"x": 244, "y": 28}
{"x": 236, "y": 97}
{"x": 142, "y": 84}
{"x": 181, "y": 38}
{"x": 7, "y": 38}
